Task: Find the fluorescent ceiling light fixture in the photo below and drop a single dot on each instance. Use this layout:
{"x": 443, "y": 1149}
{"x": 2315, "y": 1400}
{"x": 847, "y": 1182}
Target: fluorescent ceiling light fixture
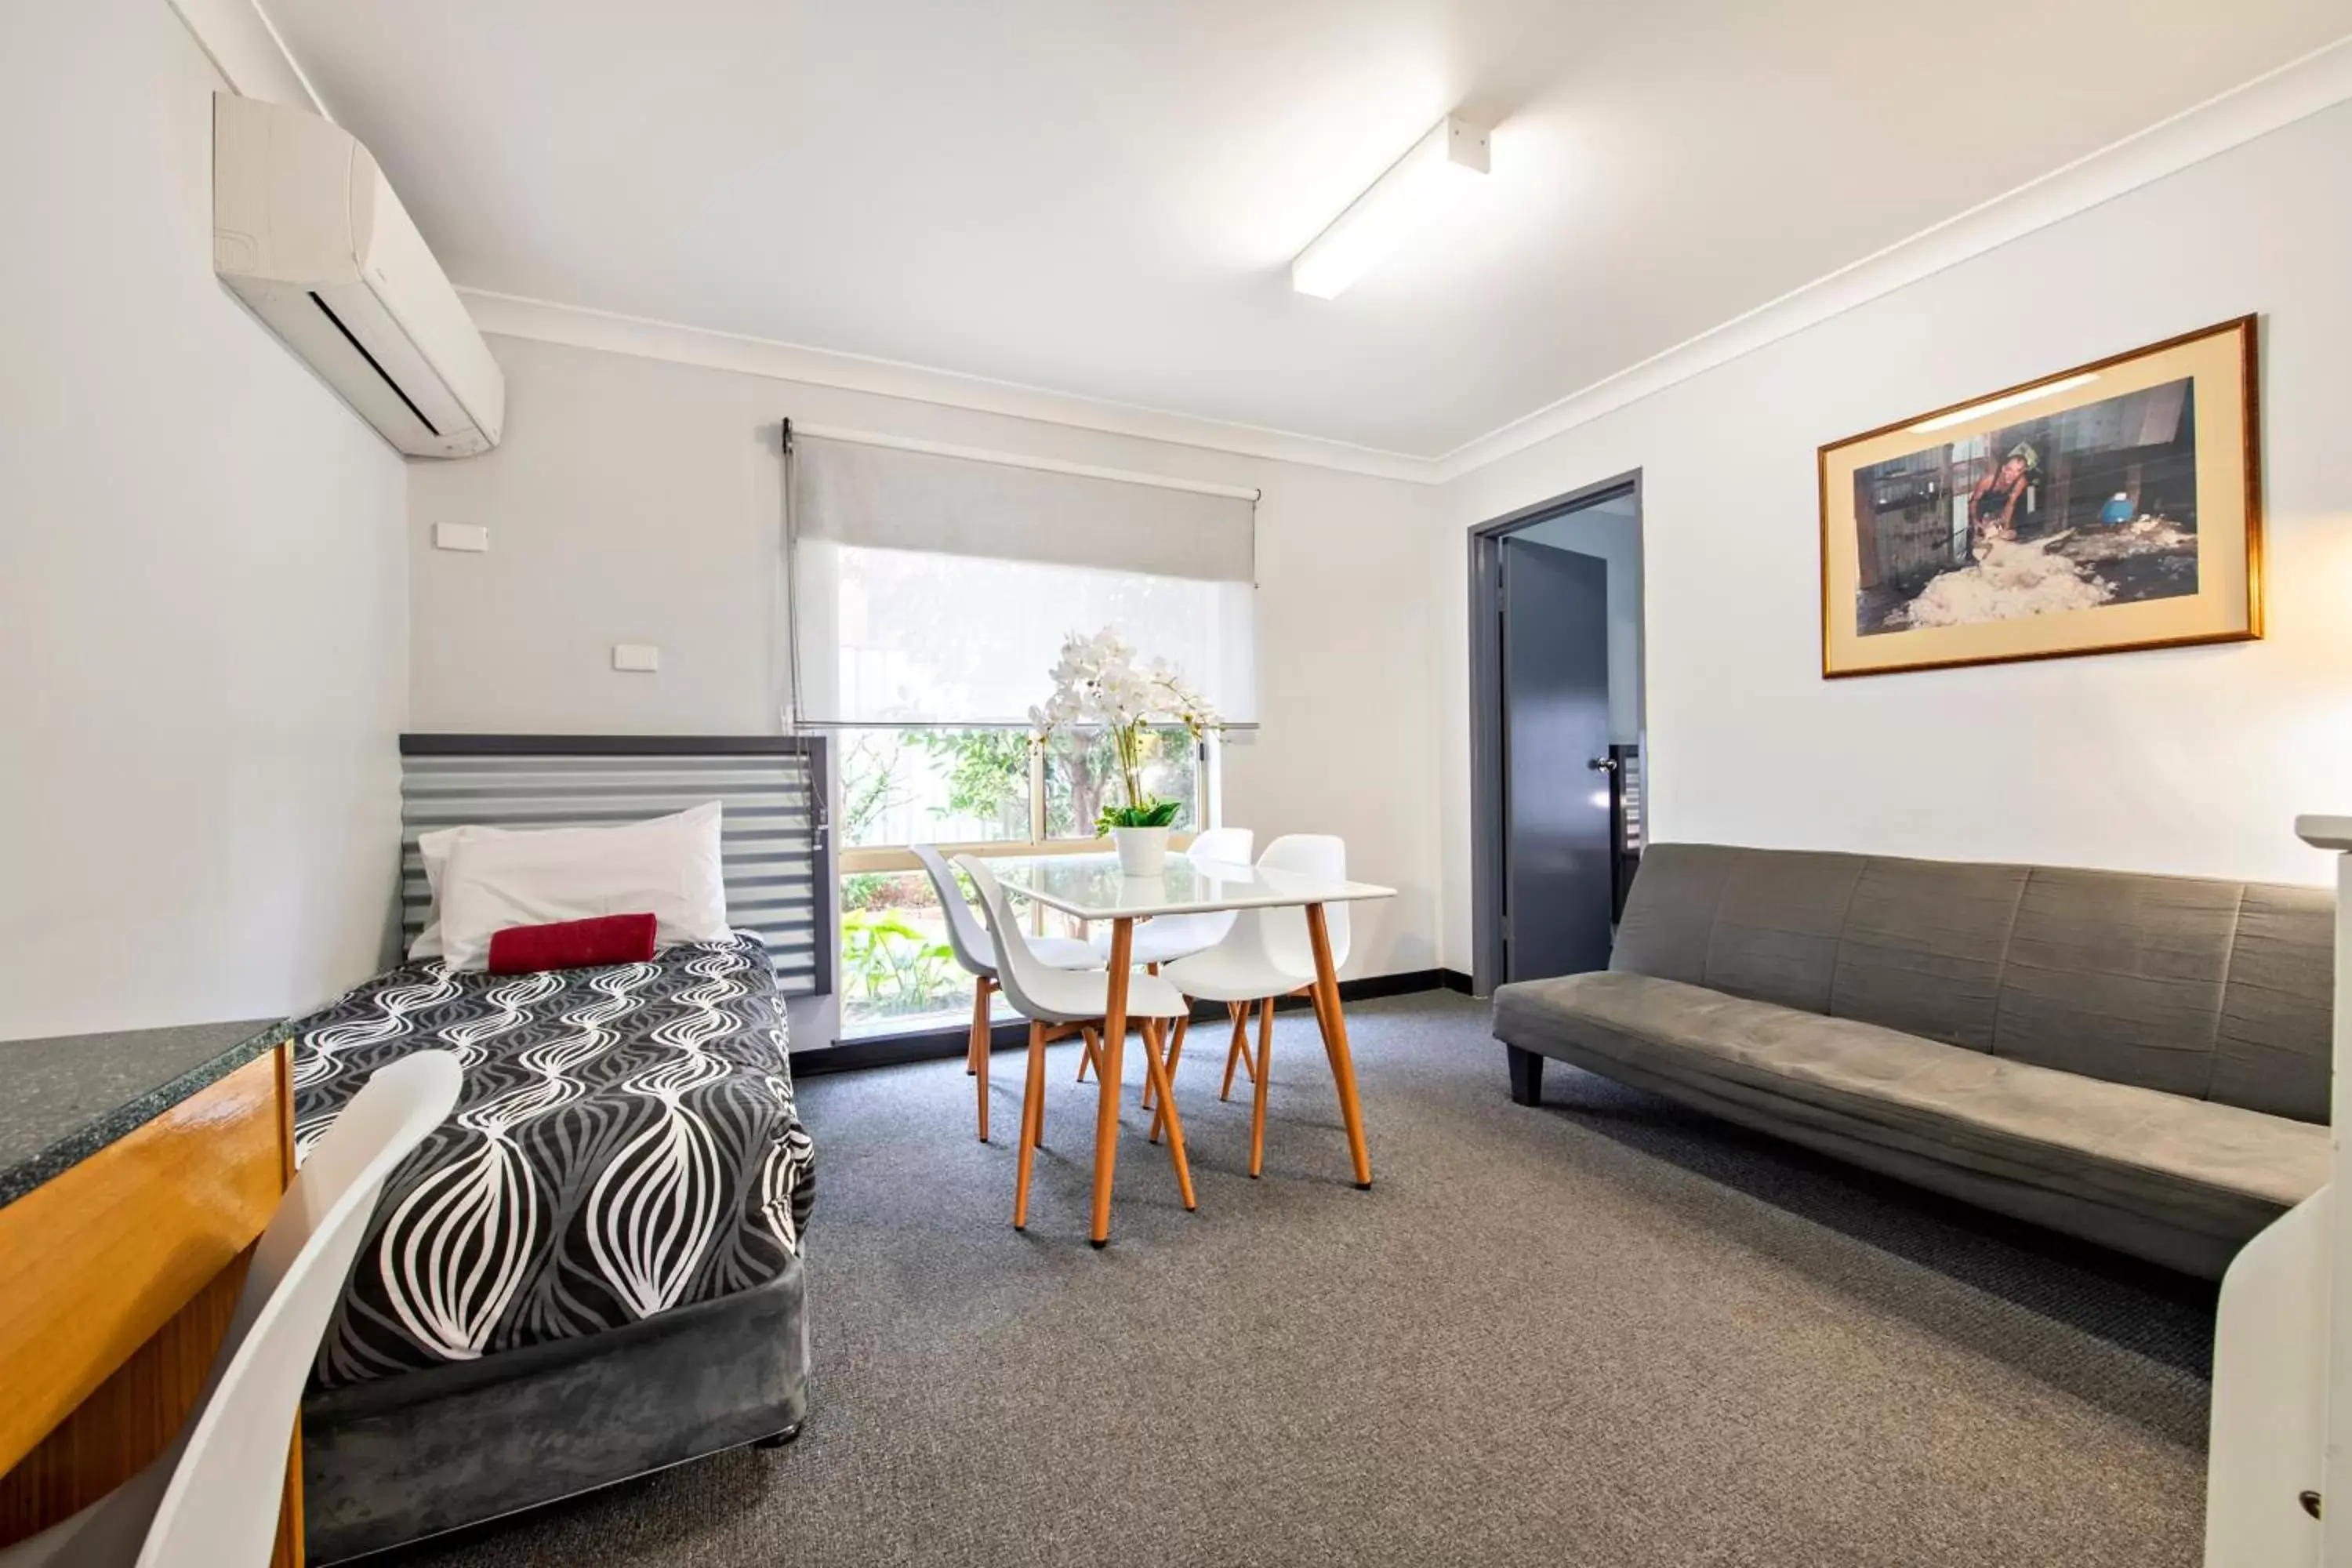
{"x": 1417, "y": 188}
{"x": 1995, "y": 405}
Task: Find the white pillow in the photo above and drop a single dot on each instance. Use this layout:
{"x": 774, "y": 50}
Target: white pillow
{"x": 435, "y": 848}
{"x": 669, "y": 867}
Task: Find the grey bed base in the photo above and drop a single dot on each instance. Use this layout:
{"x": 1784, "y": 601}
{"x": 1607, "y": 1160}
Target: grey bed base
{"x": 398, "y": 1458}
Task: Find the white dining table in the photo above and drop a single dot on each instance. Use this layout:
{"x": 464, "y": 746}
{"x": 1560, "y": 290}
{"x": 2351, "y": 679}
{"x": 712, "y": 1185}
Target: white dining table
{"x": 1093, "y": 888}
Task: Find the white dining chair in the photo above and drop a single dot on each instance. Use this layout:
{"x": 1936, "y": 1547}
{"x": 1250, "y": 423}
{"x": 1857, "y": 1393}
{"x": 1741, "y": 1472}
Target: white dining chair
{"x": 1164, "y": 939}
{"x": 976, "y": 954}
{"x": 1059, "y": 1002}
{"x": 212, "y": 1496}
{"x": 1267, "y": 955}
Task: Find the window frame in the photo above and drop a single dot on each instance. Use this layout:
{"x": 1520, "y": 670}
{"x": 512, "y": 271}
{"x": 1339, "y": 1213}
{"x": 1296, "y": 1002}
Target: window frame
{"x": 853, "y": 859}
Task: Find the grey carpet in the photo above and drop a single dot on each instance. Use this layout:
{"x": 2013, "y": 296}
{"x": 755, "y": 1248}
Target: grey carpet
{"x": 1605, "y": 1330}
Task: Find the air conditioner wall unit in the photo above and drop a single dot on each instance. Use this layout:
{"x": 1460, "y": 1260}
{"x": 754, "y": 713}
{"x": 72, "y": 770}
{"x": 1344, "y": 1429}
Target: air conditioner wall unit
{"x": 307, "y": 231}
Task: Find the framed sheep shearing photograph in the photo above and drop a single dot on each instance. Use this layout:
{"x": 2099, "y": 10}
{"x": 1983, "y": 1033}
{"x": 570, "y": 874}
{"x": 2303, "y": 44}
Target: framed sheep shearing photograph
{"x": 2111, "y": 507}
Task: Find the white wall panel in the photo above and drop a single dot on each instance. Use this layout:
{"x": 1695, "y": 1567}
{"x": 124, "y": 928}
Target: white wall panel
{"x": 2192, "y": 760}
{"x": 203, "y": 588}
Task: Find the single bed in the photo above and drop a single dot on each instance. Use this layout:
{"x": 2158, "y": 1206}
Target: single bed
{"x": 591, "y": 1270}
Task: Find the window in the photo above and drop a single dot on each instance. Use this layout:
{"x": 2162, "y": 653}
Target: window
{"x": 930, "y": 591}
{"x": 968, "y": 788}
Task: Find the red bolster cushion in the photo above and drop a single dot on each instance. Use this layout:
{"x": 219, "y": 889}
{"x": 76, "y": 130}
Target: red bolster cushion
{"x": 573, "y": 944}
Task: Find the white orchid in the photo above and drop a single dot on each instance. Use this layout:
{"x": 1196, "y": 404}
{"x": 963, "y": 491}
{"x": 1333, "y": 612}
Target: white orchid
{"x": 1098, "y": 681}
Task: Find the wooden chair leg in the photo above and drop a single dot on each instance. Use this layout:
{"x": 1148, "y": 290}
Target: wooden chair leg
{"x": 1033, "y": 1117}
{"x": 1175, "y": 1050}
{"x": 976, "y": 1057}
{"x": 1258, "y": 1102}
{"x": 1240, "y": 1011}
{"x": 1154, "y": 1068}
{"x": 1175, "y": 1054}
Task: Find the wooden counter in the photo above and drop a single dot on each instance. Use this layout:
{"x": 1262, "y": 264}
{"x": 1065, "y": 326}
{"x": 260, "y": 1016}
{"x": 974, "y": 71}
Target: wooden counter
{"x": 137, "y": 1171}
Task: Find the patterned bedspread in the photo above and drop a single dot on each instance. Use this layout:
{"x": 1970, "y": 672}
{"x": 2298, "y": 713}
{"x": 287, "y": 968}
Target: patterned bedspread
{"x": 625, "y": 1143}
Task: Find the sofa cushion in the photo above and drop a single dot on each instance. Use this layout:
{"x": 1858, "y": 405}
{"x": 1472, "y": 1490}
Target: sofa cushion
{"x": 1923, "y": 946}
{"x": 1671, "y": 910}
{"x": 1777, "y": 924}
{"x": 2118, "y": 977}
{"x": 2272, "y": 1050}
{"x": 2213, "y": 1168}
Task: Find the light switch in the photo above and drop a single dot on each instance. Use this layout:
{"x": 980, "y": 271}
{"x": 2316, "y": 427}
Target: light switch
{"x": 636, "y": 656}
{"x": 460, "y": 536}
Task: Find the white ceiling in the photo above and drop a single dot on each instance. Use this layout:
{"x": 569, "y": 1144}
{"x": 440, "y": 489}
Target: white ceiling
{"x": 1102, "y": 199}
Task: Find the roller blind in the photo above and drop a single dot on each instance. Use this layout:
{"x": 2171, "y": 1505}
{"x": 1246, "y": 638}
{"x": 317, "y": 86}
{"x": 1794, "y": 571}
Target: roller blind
{"x": 936, "y": 589}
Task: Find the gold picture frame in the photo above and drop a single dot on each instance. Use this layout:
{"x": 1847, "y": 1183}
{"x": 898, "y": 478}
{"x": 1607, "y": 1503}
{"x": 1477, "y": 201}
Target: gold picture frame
{"x": 2109, "y": 508}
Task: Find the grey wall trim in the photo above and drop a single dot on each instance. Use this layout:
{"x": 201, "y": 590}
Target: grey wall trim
{"x": 1488, "y": 847}
{"x": 776, "y": 849}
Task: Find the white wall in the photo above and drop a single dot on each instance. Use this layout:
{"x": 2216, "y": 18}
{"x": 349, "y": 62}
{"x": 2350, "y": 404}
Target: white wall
{"x": 637, "y": 500}
{"x": 630, "y": 501}
{"x": 2191, "y": 760}
{"x": 201, "y": 581}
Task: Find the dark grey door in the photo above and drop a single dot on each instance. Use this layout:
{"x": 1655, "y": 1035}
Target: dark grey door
{"x": 1555, "y": 726}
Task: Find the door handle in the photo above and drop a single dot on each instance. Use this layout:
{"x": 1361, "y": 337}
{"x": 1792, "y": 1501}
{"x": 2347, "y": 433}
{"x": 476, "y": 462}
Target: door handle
{"x": 1601, "y": 764}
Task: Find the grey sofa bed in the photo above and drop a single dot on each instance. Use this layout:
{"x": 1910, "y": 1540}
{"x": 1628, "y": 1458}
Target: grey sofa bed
{"x": 2142, "y": 1061}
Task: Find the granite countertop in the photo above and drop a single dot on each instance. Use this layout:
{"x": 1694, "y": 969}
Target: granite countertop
{"x": 64, "y": 1099}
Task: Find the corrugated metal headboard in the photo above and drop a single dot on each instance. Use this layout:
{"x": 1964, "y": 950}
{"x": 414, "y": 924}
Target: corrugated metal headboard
{"x": 773, "y": 789}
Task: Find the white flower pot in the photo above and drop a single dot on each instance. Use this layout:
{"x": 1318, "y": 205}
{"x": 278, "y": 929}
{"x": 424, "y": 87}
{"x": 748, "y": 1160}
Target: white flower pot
{"x": 1142, "y": 851}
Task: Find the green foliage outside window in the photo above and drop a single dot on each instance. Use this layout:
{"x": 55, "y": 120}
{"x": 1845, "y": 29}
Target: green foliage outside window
{"x": 958, "y": 784}
{"x": 889, "y": 968}
{"x": 986, "y": 769}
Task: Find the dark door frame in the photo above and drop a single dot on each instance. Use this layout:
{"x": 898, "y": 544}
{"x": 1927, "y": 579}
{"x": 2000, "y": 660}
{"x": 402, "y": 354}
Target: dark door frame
{"x": 1489, "y": 846}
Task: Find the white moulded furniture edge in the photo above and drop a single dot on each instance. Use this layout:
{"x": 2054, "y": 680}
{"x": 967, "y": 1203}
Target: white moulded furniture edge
{"x": 2269, "y": 1415}
{"x": 2282, "y": 1421}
